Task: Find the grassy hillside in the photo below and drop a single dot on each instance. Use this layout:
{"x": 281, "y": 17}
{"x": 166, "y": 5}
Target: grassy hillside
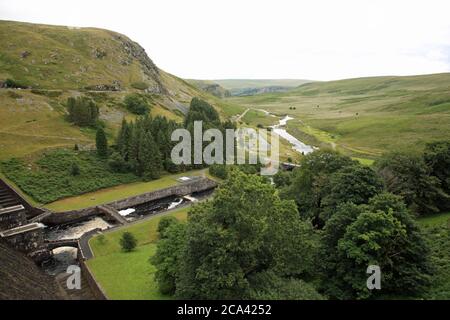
{"x": 244, "y": 87}
{"x": 233, "y": 84}
{"x": 53, "y": 63}
{"x": 365, "y": 117}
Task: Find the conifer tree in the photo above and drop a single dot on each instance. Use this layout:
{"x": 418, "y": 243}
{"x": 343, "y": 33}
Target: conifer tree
{"x": 101, "y": 143}
{"x": 150, "y": 157}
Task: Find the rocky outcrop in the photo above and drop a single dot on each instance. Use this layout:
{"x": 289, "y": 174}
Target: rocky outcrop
{"x": 114, "y": 86}
{"x": 134, "y": 51}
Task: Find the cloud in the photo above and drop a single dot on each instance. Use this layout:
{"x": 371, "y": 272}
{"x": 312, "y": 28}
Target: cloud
{"x": 267, "y": 39}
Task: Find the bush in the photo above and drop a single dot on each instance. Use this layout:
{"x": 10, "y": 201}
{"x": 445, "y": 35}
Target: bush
{"x": 118, "y": 164}
{"x": 75, "y": 170}
{"x": 219, "y": 171}
{"x": 128, "y": 242}
{"x": 13, "y": 84}
{"x": 136, "y": 104}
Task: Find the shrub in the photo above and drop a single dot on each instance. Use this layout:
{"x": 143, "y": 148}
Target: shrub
{"x": 128, "y": 242}
{"x": 219, "y": 171}
{"x": 75, "y": 169}
{"x": 13, "y": 84}
{"x": 136, "y": 104}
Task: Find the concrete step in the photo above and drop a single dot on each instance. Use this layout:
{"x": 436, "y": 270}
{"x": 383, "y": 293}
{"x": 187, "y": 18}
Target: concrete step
{"x": 9, "y": 203}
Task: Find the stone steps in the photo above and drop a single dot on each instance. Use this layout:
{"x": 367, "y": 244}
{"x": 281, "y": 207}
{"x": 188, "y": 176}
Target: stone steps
{"x": 7, "y": 199}
{"x": 85, "y": 293}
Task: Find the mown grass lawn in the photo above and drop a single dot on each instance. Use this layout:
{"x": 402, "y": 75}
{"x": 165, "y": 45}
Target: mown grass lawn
{"x": 125, "y": 276}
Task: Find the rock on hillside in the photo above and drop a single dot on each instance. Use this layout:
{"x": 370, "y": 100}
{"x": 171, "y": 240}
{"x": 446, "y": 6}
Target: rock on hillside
{"x": 58, "y": 57}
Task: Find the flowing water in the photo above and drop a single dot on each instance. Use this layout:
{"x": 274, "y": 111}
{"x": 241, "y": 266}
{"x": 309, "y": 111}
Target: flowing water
{"x": 66, "y": 256}
{"x": 297, "y": 145}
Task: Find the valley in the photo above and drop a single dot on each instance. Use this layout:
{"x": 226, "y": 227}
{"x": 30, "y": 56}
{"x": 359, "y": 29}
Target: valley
{"x": 86, "y": 119}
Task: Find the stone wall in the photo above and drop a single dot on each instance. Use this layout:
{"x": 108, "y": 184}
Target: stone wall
{"x": 183, "y": 189}
{"x": 28, "y": 241}
{"x": 61, "y": 218}
{"x": 98, "y": 292}
{"x": 12, "y": 217}
{"x": 197, "y": 185}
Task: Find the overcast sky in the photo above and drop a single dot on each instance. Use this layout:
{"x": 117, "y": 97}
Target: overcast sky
{"x": 219, "y": 39}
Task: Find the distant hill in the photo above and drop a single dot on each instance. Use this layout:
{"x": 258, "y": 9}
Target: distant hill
{"x": 365, "y": 117}
{"x": 243, "y": 87}
{"x": 210, "y": 87}
{"x": 52, "y": 63}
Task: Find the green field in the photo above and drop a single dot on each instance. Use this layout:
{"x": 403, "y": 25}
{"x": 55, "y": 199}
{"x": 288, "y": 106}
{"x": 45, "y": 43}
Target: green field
{"x": 129, "y": 275}
{"x": 364, "y": 117}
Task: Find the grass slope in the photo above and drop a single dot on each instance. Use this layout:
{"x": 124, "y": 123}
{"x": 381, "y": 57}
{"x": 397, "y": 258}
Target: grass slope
{"x": 129, "y": 275}
{"x": 368, "y": 116}
{"x": 59, "y": 62}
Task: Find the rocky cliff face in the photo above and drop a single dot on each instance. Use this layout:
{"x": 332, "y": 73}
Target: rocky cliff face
{"x": 21, "y": 279}
{"x": 135, "y": 51}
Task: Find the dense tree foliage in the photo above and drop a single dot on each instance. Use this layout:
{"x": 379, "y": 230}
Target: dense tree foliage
{"x": 136, "y": 103}
{"x": 269, "y": 286}
{"x": 82, "y": 111}
{"x": 244, "y": 231}
{"x": 169, "y": 254}
{"x": 101, "y": 143}
{"x": 355, "y": 184}
{"x": 310, "y": 184}
{"x": 409, "y": 176}
{"x": 381, "y": 233}
{"x": 144, "y": 147}
{"x": 200, "y": 110}
{"x": 437, "y": 157}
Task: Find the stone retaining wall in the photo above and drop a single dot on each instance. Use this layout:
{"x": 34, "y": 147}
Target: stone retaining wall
{"x": 98, "y": 292}
{"x": 186, "y": 188}
{"x": 198, "y": 185}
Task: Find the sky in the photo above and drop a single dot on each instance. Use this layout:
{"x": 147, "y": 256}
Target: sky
{"x": 266, "y": 39}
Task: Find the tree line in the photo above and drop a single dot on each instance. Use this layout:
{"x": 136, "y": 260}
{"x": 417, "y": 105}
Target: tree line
{"x": 312, "y": 235}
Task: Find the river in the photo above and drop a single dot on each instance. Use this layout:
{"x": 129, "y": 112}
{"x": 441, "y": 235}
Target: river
{"x": 297, "y": 145}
